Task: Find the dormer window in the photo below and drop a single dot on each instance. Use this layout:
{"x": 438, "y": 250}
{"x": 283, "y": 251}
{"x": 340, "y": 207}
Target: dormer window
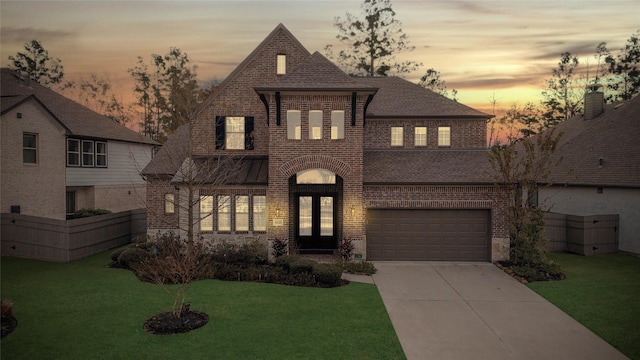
{"x": 281, "y": 64}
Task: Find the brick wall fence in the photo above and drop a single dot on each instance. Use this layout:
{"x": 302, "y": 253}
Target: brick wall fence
{"x": 68, "y": 240}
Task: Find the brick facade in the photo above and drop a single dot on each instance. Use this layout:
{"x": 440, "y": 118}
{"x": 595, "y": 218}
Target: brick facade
{"x": 238, "y": 96}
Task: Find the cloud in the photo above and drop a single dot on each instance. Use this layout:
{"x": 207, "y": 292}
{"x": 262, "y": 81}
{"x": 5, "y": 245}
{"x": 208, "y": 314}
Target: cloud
{"x": 12, "y": 34}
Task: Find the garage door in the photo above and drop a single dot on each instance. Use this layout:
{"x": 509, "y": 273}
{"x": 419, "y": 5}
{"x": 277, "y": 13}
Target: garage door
{"x": 444, "y": 235}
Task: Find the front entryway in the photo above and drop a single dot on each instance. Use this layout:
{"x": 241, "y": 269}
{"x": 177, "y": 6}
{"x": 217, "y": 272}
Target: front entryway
{"x": 316, "y": 222}
{"x": 315, "y": 198}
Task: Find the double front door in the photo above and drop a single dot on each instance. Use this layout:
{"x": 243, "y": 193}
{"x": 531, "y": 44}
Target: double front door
{"x": 316, "y": 221}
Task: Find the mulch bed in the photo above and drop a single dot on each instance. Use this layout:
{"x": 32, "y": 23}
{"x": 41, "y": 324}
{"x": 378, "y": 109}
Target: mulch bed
{"x": 167, "y": 324}
{"x": 9, "y": 323}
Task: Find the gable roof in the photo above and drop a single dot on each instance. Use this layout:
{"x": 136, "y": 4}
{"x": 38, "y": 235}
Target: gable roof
{"x": 398, "y": 97}
{"x": 170, "y": 157}
{"x": 77, "y": 119}
{"x": 438, "y": 166}
{"x": 316, "y": 73}
{"x": 612, "y": 136}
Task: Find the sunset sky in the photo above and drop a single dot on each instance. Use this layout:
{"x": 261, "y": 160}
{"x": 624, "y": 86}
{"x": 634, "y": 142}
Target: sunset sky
{"x": 484, "y": 49}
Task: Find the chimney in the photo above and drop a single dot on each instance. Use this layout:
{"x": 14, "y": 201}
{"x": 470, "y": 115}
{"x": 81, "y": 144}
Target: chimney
{"x": 593, "y": 101}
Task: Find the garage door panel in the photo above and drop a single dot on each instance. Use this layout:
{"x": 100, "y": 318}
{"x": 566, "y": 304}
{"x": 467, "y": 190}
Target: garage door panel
{"x": 450, "y": 235}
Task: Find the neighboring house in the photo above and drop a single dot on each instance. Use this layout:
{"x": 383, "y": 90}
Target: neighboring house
{"x": 399, "y": 169}
{"x": 59, "y": 156}
{"x": 600, "y": 169}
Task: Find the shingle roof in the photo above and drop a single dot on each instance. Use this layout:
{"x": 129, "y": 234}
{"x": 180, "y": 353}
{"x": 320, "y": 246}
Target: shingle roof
{"x": 427, "y": 167}
{"x": 316, "y": 73}
{"x": 170, "y": 157}
{"x": 612, "y": 137}
{"x": 78, "y": 119}
{"x": 398, "y": 97}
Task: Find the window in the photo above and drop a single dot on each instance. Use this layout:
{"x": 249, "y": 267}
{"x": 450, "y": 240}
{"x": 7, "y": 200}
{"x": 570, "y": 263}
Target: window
{"x": 281, "y": 64}
{"x": 337, "y": 124}
{"x": 396, "y": 136}
{"x": 420, "y": 136}
{"x": 234, "y": 133}
{"x": 315, "y": 124}
{"x": 71, "y": 202}
{"x": 87, "y": 153}
{"x": 224, "y": 213}
{"x": 444, "y": 136}
{"x": 206, "y": 211}
{"x": 73, "y": 152}
{"x": 170, "y": 204}
{"x": 29, "y": 148}
{"x": 234, "y": 128}
{"x": 293, "y": 125}
{"x": 101, "y": 154}
{"x": 315, "y": 176}
{"x": 259, "y": 213}
{"x": 242, "y": 213}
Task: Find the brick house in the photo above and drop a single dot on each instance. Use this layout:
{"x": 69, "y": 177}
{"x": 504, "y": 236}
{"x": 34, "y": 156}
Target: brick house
{"x": 59, "y": 156}
{"x": 398, "y": 169}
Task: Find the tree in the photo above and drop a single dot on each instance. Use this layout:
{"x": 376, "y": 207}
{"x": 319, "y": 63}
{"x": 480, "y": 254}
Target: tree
{"x": 432, "y": 81}
{"x": 624, "y": 69}
{"x": 373, "y": 42}
{"x": 36, "y": 64}
{"x": 97, "y": 94}
{"x": 562, "y": 96}
{"x": 167, "y": 91}
{"x": 520, "y": 168}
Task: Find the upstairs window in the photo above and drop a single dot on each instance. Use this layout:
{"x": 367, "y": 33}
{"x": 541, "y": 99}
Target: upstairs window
{"x": 87, "y": 153}
{"x": 101, "y": 154}
{"x": 281, "y": 64}
{"x": 337, "y": 124}
{"x": 73, "y": 152}
{"x": 29, "y": 148}
{"x": 234, "y": 133}
{"x": 315, "y": 124}
{"x": 420, "y": 136}
{"x": 397, "y": 135}
{"x": 293, "y": 125}
{"x": 444, "y": 136}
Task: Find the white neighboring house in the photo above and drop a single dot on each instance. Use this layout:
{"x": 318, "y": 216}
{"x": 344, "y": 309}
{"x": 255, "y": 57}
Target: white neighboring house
{"x": 600, "y": 170}
{"x": 58, "y": 156}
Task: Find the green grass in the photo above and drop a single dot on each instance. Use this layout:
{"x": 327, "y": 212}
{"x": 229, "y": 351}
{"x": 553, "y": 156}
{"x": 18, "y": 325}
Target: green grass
{"x": 84, "y": 310}
{"x": 603, "y": 293}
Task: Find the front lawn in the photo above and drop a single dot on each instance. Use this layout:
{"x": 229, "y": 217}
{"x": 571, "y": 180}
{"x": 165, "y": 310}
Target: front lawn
{"x": 603, "y": 293}
{"x": 84, "y": 310}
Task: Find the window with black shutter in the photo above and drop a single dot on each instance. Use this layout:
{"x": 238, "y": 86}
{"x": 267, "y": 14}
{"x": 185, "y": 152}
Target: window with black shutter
{"x": 230, "y": 132}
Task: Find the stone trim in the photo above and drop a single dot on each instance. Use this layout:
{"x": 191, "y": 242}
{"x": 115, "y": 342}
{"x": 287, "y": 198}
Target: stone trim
{"x": 306, "y": 162}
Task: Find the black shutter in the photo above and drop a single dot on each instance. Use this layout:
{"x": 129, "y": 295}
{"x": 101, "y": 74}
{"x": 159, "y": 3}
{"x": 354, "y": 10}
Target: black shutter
{"x": 220, "y": 135}
{"x": 248, "y": 133}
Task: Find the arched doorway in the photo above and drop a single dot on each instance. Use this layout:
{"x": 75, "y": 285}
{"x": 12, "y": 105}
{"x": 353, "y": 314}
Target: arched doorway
{"x": 315, "y": 201}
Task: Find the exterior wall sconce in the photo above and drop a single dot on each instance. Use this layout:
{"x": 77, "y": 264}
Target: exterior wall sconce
{"x": 353, "y": 212}
{"x": 277, "y": 212}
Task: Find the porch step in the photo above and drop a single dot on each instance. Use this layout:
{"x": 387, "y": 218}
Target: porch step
{"x": 329, "y": 258}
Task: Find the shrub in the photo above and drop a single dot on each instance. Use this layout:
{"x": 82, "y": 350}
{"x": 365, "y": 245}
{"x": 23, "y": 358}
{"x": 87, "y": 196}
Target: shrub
{"x": 249, "y": 253}
{"x": 285, "y": 261}
{"x": 301, "y": 266}
{"x": 362, "y": 267}
{"x": 346, "y": 249}
{"x": 82, "y": 213}
{"x": 524, "y": 271}
{"x": 279, "y": 247}
{"x": 327, "y": 274}
{"x": 115, "y": 254}
{"x": 132, "y": 256}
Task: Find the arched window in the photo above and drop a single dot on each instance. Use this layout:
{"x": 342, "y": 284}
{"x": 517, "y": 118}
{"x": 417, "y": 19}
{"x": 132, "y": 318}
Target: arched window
{"x": 315, "y": 176}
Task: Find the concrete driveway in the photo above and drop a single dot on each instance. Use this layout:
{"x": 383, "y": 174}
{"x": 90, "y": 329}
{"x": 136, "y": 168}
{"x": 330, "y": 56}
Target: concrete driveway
{"x": 476, "y": 311}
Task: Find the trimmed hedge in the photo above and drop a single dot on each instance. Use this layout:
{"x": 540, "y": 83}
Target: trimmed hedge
{"x": 327, "y": 274}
